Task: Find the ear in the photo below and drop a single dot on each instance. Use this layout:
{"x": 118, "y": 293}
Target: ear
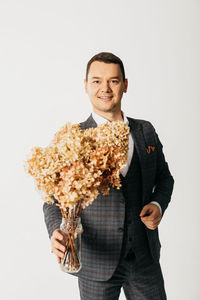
{"x": 85, "y": 83}
{"x": 125, "y": 85}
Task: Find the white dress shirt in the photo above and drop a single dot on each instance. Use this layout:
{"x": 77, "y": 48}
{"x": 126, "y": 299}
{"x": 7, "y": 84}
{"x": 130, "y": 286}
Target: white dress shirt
{"x": 100, "y": 120}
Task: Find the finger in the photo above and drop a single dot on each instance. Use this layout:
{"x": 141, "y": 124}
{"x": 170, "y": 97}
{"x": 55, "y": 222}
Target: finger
{"x": 151, "y": 223}
{"x": 144, "y": 211}
{"x": 150, "y": 210}
{"x": 59, "y": 259}
{"x": 147, "y": 213}
{"x": 147, "y": 219}
{"x": 57, "y": 245}
{"x": 157, "y": 223}
{"x": 154, "y": 224}
{"x": 151, "y": 218}
{"x": 151, "y": 227}
{"x": 57, "y": 235}
{"x": 58, "y": 253}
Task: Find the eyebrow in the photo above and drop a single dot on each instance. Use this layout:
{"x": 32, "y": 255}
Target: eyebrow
{"x": 95, "y": 77}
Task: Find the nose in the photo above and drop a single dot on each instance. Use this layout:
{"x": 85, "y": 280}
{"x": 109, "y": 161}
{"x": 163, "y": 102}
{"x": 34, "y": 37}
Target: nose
{"x": 105, "y": 86}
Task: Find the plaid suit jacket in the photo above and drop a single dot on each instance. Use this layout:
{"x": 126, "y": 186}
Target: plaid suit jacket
{"x": 103, "y": 221}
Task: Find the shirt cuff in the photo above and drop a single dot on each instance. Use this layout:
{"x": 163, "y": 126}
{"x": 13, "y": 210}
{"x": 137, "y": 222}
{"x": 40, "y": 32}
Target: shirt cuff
{"x": 154, "y": 202}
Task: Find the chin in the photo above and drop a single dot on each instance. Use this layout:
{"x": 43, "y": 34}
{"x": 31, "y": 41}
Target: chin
{"x": 104, "y": 109}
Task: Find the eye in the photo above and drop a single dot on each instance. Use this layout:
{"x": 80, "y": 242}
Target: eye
{"x": 113, "y": 80}
{"x": 95, "y": 81}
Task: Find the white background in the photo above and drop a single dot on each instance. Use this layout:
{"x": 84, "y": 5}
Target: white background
{"x": 44, "y": 50}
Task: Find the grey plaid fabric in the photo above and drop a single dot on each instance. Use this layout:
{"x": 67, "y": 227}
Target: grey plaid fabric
{"x": 140, "y": 279}
{"x": 103, "y": 221}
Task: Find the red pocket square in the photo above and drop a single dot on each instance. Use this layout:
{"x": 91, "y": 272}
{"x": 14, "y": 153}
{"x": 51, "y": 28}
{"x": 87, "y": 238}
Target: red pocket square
{"x": 150, "y": 148}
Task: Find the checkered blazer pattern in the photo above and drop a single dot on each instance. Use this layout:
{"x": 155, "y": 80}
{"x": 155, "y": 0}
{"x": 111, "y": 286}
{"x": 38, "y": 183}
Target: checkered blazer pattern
{"x": 103, "y": 221}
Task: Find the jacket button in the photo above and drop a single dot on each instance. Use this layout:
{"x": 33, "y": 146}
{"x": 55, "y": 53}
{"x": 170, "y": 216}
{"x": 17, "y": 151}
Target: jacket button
{"x": 121, "y": 229}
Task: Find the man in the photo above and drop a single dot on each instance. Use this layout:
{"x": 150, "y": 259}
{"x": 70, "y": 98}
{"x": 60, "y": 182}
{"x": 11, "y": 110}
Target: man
{"x": 120, "y": 242}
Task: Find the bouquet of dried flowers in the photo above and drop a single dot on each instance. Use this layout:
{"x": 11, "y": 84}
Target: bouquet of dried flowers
{"x": 75, "y": 167}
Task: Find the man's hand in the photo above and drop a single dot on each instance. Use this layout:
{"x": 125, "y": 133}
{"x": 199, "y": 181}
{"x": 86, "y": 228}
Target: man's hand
{"x": 58, "y": 240}
{"x": 151, "y": 216}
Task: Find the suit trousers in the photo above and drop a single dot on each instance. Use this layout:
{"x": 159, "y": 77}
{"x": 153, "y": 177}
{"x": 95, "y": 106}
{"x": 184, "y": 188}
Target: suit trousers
{"x": 141, "y": 280}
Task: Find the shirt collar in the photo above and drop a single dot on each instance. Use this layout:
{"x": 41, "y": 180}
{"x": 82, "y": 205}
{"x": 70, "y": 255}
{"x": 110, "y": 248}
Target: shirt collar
{"x": 100, "y": 120}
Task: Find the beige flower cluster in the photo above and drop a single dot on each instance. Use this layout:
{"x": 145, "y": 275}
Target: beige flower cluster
{"x": 80, "y": 163}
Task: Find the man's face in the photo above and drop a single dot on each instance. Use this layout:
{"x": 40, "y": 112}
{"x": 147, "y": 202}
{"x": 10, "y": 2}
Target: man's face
{"x": 105, "y": 86}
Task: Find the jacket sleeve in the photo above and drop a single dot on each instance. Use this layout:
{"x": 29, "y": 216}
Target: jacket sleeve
{"x": 52, "y": 216}
{"x": 164, "y": 181}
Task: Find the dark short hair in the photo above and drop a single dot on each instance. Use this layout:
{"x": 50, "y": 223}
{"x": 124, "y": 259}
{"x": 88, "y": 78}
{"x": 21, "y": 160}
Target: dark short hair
{"x": 106, "y": 57}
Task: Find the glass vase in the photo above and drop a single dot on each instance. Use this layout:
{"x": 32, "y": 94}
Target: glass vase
{"x": 72, "y": 227}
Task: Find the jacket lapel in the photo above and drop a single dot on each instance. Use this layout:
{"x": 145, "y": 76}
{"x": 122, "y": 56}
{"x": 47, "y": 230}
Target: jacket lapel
{"x": 139, "y": 142}
{"x": 146, "y": 161}
{"x": 89, "y": 123}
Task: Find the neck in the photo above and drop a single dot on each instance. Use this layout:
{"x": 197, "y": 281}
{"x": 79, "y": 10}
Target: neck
{"x": 111, "y": 116}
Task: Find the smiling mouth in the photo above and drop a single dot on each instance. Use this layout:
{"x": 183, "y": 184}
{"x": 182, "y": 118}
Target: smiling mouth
{"x": 106, "y": 98}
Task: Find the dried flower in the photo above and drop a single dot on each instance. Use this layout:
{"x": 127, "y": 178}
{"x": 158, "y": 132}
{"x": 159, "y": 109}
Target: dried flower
{"x": 80, "y": 163}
